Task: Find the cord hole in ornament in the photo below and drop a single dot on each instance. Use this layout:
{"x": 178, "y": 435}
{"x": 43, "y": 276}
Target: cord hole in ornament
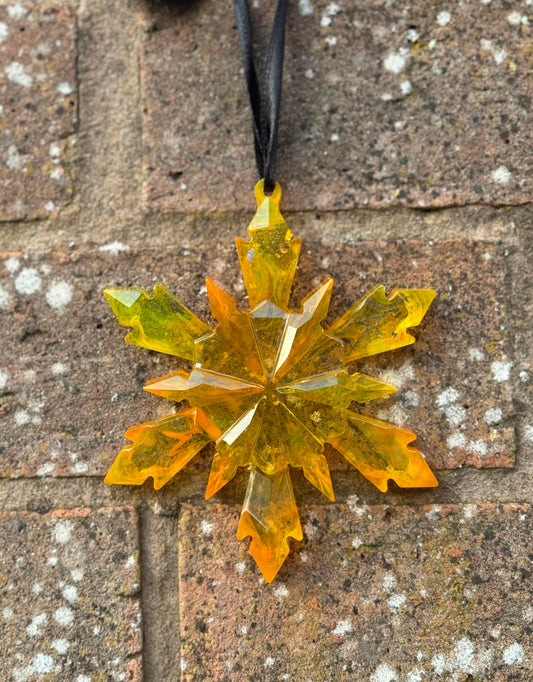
{"x": 260, "y": 194}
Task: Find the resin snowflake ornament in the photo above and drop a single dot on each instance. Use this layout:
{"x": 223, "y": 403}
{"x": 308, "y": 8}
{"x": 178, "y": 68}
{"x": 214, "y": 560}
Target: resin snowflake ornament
{"x": 270, "y": 386}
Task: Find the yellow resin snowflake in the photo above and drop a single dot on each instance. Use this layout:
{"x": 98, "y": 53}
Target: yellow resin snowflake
{"x": 270, "y": 386}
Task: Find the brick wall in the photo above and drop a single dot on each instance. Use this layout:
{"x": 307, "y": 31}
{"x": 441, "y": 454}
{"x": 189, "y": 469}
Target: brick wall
{"x": 126, "y": 158}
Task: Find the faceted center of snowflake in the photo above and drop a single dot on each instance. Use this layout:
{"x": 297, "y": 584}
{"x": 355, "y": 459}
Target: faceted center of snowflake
{"x": 271, "y": 393}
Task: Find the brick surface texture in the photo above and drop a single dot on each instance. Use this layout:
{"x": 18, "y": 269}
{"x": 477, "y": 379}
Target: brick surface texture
{"x": 126, "y": 159}
{"x": 39, "y": 108}
{"x": 69, "y": 586}
{"x": 413, "y": 105}
{"x": 413, "y": 593}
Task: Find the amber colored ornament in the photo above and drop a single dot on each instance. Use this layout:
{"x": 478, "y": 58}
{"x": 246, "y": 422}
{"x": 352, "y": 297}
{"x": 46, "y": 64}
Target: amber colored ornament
{"x": 270, "y": 386}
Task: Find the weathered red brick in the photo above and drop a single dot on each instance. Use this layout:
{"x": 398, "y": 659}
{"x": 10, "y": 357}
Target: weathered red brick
{"x": 372, "y": 593}
{"x": 69, "y": 585}
{"x": 38, "y": 90}
{"x": 72, "y": 386}
{"x": 384, "y": 104}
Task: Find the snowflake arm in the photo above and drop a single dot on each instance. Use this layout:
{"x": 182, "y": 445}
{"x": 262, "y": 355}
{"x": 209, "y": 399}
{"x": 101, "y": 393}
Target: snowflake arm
{"x": 303, "y": 329}
{"x": 268, "y": 261}
{"x": 231, "y": 348}
{"x": 159, "y": 322}
{"x": 338, "y": 389}
{"x": 202, "y": 388}
{"x": 381, "y": 451}
{"x": 270, "y": 516}
{"x": 160, "y": 449}
{"x": 378, "y": 323}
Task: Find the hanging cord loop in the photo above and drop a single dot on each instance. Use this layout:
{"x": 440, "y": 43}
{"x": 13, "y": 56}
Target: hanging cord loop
{"x": 265, "y": 101}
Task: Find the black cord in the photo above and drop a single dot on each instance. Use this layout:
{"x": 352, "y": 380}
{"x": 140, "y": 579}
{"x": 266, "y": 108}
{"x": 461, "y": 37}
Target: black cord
{"x": 265, "y": 102}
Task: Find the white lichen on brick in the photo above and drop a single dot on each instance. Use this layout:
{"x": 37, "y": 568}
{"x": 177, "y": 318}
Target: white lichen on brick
{"x": 395, "y": 62}
{"x": 331, "y": 10}
{"x": 439, "y": 663}
{"x": 434, "y": 513}
{"x": 281, "y": 591}
{"x": 4, "y": 378}
{"x": 410, "y": 398}
{"x": 16, "y": 72}
{"x": 469, "y": 511}
{"x": 60, "y": 645}
{"x": 343, "y": 627}
{"x": 65, "y": 88}
{"x": 475, "y": 354}
{"x": 463, "y": 656}
{"x": 4, "y": 297}
{"x": 499, "y": 54}
{"x": 28, "y": 281}
{"x": 305, "y": 8}
{"x": 501, "y": 371}
{"x": 80, "y": 468}
{"x": 45, "y": 469}
{"x": 64, "y": 616}
{"x": 70, "y": 593}
{"x": 446, "y": 401}
{"x": 77, "y": 575}
{"x": 310, "y": 528}
{"x": 394, "y": 414}
{"x": 59, "y": 295}
{"x": 58, "y": 368}
{"x": 41, "y": 665}
{"x": 384, "y": 673}
{"x": 493, "y": 416}
{"x": 444, "y": 18}
{"x": 517, "y": 19}
{"x": 15, "y": 160}
{"x": 22, "y": 417}
{"x": 528, "y": 433}
{"x": 396, "y": 601}
{"x": 389, "y": 582}
{"x": 62, "y": 531}
{"x": 12, "y": 264}
{"x": 406, "y": 88}
{"x": 37, "y": 623}
{"x": 114, "y": 248}
{"x": 477, "y": 447}
{"x": 447, "y": 397}
{"x": 207, "y": 527}
{"x": 501, "y": 175}
{"x": 514, "y": 654}
{"x": 455, "y": 414}
{"x": 17, "y": 11}
{"x": 456, "y": 440}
